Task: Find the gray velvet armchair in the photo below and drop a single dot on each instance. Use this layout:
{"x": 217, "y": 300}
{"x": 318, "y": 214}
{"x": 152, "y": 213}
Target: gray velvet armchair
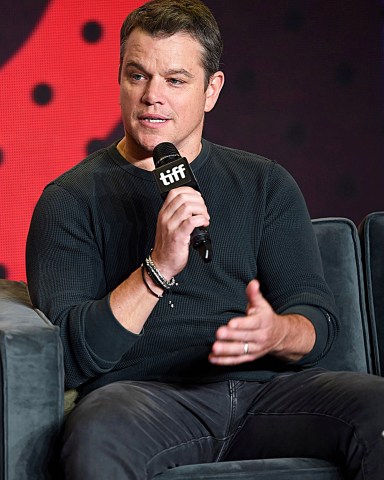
{"x": 32, "y": 386}
{"x": 371, "y": 231}
{"x": 32, "y": 374}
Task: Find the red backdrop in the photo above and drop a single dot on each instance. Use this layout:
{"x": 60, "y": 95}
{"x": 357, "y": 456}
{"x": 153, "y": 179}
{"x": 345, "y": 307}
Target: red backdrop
{"x": 303, "y": 86}
{"x": 59, "y": 92}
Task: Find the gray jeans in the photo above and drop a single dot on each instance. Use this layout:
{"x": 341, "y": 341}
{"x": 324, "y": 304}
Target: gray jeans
{"x": 136, "y": 430}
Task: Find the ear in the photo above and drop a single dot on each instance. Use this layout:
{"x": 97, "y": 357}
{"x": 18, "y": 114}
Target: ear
{"x": 212, "y": 93}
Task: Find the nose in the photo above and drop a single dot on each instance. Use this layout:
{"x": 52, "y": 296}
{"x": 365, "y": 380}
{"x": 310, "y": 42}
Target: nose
{"x": 154, "y": 92}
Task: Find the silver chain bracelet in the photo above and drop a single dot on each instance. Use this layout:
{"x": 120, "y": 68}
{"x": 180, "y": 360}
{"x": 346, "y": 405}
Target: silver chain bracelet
{"x": 156, "y": 276}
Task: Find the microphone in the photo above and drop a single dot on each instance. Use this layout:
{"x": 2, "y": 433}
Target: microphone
{"x": 171, "y": 171}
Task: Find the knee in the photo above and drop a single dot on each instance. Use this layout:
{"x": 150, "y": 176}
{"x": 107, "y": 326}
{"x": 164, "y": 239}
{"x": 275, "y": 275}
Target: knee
{"x": 364, "y": 403}
{"x": 97, "y": 439}
{"x": 109, "y": 412}
{"x": 366, "y": 392}
{"x": 89, "y": 421}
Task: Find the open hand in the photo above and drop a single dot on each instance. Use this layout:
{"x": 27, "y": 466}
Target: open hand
{"x": 247, "y": 338}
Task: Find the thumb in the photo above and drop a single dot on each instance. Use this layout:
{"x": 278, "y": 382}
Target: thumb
{"x": 255, "y": 297}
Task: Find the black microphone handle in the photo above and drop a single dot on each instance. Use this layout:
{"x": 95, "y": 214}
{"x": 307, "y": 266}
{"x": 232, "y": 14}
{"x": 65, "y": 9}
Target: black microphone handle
{"x": 163, "y": 154}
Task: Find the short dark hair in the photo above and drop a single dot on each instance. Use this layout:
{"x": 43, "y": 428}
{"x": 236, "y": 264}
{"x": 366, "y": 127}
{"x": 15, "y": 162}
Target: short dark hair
{"x": 164, "y": 18}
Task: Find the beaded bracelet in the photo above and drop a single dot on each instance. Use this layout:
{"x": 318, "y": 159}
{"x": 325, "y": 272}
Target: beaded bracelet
{"x": 156, "y": 276}
{"x": 146, "y": 283}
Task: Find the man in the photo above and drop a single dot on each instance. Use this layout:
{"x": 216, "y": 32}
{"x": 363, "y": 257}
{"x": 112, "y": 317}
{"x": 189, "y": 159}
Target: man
{"x": 177, "y": 361}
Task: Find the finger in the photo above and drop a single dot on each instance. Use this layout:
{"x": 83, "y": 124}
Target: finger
{"x": 231, "y": 360}
{"x": 249, "y": 324}
{"x": 253, "y": 294}
{"x": 237, "y": 348}
{"x": 179, "y": 226}
{"x": 177, "y": 191}
{"x": 227, "y": 349}
{"x": 183, "y": 207}
{"x": 234, "y": 353}
{"x": 178, "y": 196}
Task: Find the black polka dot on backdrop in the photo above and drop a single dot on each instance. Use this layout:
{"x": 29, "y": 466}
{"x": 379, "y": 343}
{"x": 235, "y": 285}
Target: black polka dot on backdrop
{"x": 347, "y": 186}
{"x": 92, "y": 31}
{"x": 96, "y": 144}
{"x": 296, "y": 134}
{"x": 345, "y": 74}
{"x": 17, "y": 21}
{"x": 1, "y": 156}
{"x": 42, "y": 94}
{"x": 246, "y": 80}
{"x": 293, "y": 20}
{"x": 3, "y": 271}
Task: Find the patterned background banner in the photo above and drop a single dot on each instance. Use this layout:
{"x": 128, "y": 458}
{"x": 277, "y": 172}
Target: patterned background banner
{"x": 304, "y": 83}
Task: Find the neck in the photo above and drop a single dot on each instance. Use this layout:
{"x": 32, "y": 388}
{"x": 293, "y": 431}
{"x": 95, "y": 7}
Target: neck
{"x": 146, "y": 162}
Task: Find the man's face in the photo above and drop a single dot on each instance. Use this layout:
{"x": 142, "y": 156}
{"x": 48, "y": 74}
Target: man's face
{"x": 162, "y": 93}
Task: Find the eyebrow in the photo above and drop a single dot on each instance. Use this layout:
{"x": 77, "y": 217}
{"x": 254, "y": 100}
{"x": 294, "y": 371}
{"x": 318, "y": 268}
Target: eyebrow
{"x": 171, "y": 71}
{"x": 180, "y": 71}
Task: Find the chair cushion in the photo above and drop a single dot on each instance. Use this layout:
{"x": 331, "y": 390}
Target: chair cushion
{"x": 271, "y": 469}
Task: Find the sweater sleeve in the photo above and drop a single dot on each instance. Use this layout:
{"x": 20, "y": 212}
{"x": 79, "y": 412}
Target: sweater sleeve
{"x": 289, "y": 263}
{"x": 66, "y": 281}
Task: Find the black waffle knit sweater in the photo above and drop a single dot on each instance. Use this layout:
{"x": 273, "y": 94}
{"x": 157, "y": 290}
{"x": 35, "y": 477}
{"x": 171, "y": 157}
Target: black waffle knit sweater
{"x": 95, "y": 224}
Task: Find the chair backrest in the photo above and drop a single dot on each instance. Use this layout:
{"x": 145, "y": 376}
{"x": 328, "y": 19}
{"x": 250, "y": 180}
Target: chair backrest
{"x": 371, "y": 231}
{"x": 341, "y": 256}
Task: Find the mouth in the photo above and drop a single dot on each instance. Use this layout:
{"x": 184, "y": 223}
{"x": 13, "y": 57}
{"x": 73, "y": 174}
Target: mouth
{"x": 153, "y": 119}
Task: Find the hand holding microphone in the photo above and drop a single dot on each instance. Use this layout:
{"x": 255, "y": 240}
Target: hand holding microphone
{"x": 172, "y": 171}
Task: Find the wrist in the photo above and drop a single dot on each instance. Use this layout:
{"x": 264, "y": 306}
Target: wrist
{"x": 157, "y": 276}
{"x": 282, "y": 323}
{"x": 164, "y": 267}
{"x": 297, "y": 337}
{"x": 151, "y": 286}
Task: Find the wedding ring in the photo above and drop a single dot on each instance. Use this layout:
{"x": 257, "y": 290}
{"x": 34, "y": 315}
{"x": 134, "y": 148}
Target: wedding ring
{"x": 246, "y": 348}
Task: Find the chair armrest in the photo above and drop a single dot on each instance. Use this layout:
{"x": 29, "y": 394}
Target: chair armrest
{"x": 371, "y": 231}
{"x": 32, "y": 386}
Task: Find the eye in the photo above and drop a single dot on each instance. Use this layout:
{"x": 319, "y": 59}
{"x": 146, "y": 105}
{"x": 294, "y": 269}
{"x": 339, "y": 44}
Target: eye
{"x": 136, "y": 76}
{"x": 175, "y": 81}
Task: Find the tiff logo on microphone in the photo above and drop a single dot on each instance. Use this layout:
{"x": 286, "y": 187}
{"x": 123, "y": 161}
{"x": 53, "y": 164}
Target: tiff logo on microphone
{"x": 171, "y": 176}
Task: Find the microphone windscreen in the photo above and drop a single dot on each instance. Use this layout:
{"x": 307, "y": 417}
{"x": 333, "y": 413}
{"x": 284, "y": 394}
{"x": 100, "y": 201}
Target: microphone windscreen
{"x": 164, "y": 153}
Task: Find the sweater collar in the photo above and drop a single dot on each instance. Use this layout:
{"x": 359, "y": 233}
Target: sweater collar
{"x": 115, "y": 155}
